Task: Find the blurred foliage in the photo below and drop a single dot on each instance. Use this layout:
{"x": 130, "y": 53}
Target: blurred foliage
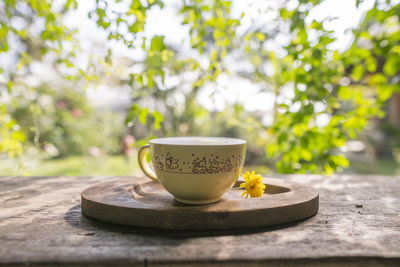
{"x": 350, "y": 86}
{"x": 333, "y": 94}
{"x": 11, "y": 137}
{"x": 73, "y": 165}
{"x": 62, "y": 122}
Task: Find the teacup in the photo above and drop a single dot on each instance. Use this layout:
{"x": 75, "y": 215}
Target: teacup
{"x": 195, "y": 170}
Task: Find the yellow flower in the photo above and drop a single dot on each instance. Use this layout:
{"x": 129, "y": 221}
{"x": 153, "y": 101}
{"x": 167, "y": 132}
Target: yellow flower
{"x": 253, "y": 184}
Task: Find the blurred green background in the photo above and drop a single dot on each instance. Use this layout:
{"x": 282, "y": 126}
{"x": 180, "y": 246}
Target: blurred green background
{"x": 314, "y": 86}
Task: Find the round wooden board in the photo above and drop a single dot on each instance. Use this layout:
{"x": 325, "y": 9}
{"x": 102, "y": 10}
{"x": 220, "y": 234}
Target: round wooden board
{"x": 143, "y": 203}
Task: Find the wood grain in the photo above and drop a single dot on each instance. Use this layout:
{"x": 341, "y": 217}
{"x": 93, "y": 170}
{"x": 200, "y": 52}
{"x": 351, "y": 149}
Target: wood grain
{"x": 143, "y": 203}
{"x": 358, "y": 224}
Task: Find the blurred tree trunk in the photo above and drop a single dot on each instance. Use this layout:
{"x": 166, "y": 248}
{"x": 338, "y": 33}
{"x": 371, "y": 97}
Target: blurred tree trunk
{"x": 394, "y": 110}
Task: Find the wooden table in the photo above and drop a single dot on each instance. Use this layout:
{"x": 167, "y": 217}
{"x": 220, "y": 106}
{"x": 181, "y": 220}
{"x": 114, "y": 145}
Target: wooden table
{"x": 358, "y": 224}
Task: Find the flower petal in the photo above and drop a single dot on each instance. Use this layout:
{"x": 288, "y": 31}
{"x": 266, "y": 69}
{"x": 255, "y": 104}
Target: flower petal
{"x": 253, "y": 184}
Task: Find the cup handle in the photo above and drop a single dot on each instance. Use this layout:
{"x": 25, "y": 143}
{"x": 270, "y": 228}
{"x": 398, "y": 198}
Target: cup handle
{"x": 144, "y": 165}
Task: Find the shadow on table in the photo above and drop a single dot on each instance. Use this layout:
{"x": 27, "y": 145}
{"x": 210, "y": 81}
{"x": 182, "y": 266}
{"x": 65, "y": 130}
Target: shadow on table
{"x": 75, "y": 218}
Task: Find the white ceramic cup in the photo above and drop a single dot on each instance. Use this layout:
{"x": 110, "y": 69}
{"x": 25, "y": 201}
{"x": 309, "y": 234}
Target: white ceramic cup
{"x": 195, "y": 170}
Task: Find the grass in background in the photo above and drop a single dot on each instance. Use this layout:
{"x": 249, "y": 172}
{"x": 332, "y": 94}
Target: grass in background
{"x": 73, "y": 166}
{"x": 382, "y": 166}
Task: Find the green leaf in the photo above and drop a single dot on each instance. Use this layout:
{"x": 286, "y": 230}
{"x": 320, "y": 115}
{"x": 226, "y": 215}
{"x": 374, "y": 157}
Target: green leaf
{"x": 157, "y": 43}
{"x": 328, "y": 170}
{"x": 150, "y": 81}
{"x": 299, "y": 129}
{"x": 358, "y": 72}
{"x": 143, "y": 43}
{"x": 137, "y": 112}
{"x": 395, "y": 50}
{"x": 285, "y": 14}
{"x": 132, "y": 113}
{"x": 260, "y": 36}
{"x": 391, "y": 66}
{"x": 148, "y": 157}
{"x": 271, "y": 150}
{"x": 345, "y": 93}
{"x": 371, "y": 64}
{"x": 136, "y": 5}
{"x": 134, "y": 27}
{"x": 358, "y": 2}
{"x": 71, "y": 4}
{"x": 17, "y": 135}
{"x": 378, "y": 78}
{"x": 340, "y": 160}
{"x": 205, "y": 8}
{"x": 10, "y": 85}
{"x": 306, "y": 154}
{"x": 384, "y": 92}
{"x": 158, "y": 118}
{"x": 143, "y": 115}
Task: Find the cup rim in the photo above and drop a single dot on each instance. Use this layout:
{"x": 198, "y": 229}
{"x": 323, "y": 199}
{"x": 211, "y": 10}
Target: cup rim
{"x": 209, "y": 141}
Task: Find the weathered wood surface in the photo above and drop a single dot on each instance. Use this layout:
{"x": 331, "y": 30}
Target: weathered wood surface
{"x": 358, "y": 224}
{"x": 145, "y": 203}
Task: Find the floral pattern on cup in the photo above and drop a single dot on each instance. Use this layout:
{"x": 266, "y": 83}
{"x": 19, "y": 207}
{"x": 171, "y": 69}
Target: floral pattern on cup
{"x": 198, "y": 165}
{"x": 171, "y": 163}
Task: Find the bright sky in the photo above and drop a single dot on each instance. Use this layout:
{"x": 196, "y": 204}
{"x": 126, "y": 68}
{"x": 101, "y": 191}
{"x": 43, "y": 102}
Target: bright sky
{"x": 228, "y": 89}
